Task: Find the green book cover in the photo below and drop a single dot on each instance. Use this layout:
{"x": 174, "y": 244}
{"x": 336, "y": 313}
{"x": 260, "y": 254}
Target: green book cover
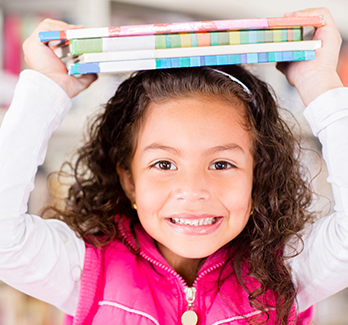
{"x": 165, "y": 41}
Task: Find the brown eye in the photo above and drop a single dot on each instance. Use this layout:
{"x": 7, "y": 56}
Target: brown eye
{"x": 221, "y": 165}
{"x": 165, "y": 165}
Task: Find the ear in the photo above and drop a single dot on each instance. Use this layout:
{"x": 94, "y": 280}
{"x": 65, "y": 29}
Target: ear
{"x": 127, "y": 183}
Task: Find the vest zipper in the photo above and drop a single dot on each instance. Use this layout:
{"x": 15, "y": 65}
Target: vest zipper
{"x": 190, "y": 293}
{"x": 153, "y": 261}
{"x": 189, "y": 317}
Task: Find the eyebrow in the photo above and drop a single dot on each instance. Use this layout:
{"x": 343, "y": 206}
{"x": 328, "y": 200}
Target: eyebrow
{"x": 158, "y": 146}
{"x": 210, "y": 151}
{"x": 228, "y": 147}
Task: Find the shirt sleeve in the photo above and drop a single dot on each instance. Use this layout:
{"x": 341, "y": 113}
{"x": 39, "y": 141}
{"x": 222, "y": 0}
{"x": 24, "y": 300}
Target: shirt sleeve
{"x": 42, "y": 258}
{"x": 322, "y": 267}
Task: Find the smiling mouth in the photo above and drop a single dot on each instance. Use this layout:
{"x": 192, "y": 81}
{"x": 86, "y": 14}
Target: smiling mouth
{"x": 194, "y": 222}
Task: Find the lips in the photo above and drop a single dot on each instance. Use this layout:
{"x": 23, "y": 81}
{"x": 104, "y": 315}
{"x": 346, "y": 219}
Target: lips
{"x": 193, "y": 224}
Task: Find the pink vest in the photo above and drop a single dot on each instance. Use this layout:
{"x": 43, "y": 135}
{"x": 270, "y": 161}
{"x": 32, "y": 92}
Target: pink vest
{"x": 118, "y": 287}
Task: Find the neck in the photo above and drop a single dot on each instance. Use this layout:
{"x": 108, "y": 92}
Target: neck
{"x": 187, "y": 268}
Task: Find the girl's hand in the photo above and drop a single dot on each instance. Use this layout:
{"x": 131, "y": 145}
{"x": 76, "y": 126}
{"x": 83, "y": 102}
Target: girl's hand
{"x": 312, "y": 78}
{"x": 41, "y": 58}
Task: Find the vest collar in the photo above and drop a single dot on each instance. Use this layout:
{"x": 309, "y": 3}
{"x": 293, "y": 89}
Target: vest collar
{"x": 147, "y": 247}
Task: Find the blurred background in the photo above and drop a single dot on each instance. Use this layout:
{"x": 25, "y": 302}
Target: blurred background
{"x": 18, "y": 18}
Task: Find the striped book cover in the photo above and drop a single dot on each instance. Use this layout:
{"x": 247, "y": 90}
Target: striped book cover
{"x": 152, "y": 42}
{"x": 197, "y": 26}
{"x": 185, "y": 62}
{"x": 199, "y": 51}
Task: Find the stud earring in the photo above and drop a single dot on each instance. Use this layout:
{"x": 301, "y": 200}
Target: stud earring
{"x": 134, "y": 206}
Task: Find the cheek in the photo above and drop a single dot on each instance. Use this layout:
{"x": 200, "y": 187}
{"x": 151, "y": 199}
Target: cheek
{"x": 151, "y": 194}
{"x": 235, "y": 195}
{"x": 236, "y": 189}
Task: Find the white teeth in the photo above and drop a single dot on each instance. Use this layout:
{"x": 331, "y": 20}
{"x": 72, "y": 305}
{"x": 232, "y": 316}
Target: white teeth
{"x": 194, "y": 222}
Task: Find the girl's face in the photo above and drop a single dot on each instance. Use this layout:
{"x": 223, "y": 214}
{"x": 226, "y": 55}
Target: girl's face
{"x": 191, "y": 175}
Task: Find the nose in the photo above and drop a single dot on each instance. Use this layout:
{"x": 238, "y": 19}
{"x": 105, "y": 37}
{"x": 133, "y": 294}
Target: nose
{"x": 192, "y": 186}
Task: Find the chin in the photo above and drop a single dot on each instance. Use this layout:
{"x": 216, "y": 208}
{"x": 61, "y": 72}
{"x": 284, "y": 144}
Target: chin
{"x": 196, "y": 253}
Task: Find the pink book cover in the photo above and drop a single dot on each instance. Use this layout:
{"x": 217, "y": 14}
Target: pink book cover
{"x": 195, "y": 26}
{"x": 214, "y": 25}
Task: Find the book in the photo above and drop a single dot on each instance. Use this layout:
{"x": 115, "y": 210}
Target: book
{"x": 198, "y": 51}
{"x": 152, "y": 42}
{"x": 184, "y": 62}
{"x": 198, "y": 26}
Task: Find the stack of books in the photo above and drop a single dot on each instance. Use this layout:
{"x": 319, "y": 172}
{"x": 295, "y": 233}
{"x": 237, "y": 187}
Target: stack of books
{"x": 178, "y": 45}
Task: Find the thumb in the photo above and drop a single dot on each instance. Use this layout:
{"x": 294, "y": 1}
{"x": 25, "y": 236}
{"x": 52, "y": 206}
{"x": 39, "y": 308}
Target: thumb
{"x": 81, "y": 83}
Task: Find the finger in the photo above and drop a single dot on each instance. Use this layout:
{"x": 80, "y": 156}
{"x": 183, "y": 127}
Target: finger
{"x": 82, "y": 82}
{"x": 328, "y": 19}
{"x": 52, "y": 24}
{"x": 282, "y": 66}
{"x": 32, "y": 43}
{"x": 87, "y": 79}
{"x": 328, "y": 33}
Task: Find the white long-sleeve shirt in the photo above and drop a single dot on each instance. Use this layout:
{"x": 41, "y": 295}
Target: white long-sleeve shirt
{"x": 44, "y": 258}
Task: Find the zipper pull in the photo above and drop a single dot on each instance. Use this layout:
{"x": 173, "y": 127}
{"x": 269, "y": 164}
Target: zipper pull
{"x": 189, "y": 317}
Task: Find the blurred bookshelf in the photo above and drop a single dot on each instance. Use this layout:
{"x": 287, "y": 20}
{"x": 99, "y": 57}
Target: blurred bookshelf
{"x": 19, "y": 309}
{"x": 18, "y": 19}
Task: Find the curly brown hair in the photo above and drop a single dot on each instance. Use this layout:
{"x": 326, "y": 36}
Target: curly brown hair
{"x": 281, "y": 195}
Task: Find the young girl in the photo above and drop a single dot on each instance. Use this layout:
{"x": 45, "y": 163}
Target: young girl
{"x": 188, "y": 201}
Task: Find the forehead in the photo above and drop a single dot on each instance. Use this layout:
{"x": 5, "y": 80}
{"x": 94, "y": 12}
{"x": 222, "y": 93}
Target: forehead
{"x": 195, "y": 119}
